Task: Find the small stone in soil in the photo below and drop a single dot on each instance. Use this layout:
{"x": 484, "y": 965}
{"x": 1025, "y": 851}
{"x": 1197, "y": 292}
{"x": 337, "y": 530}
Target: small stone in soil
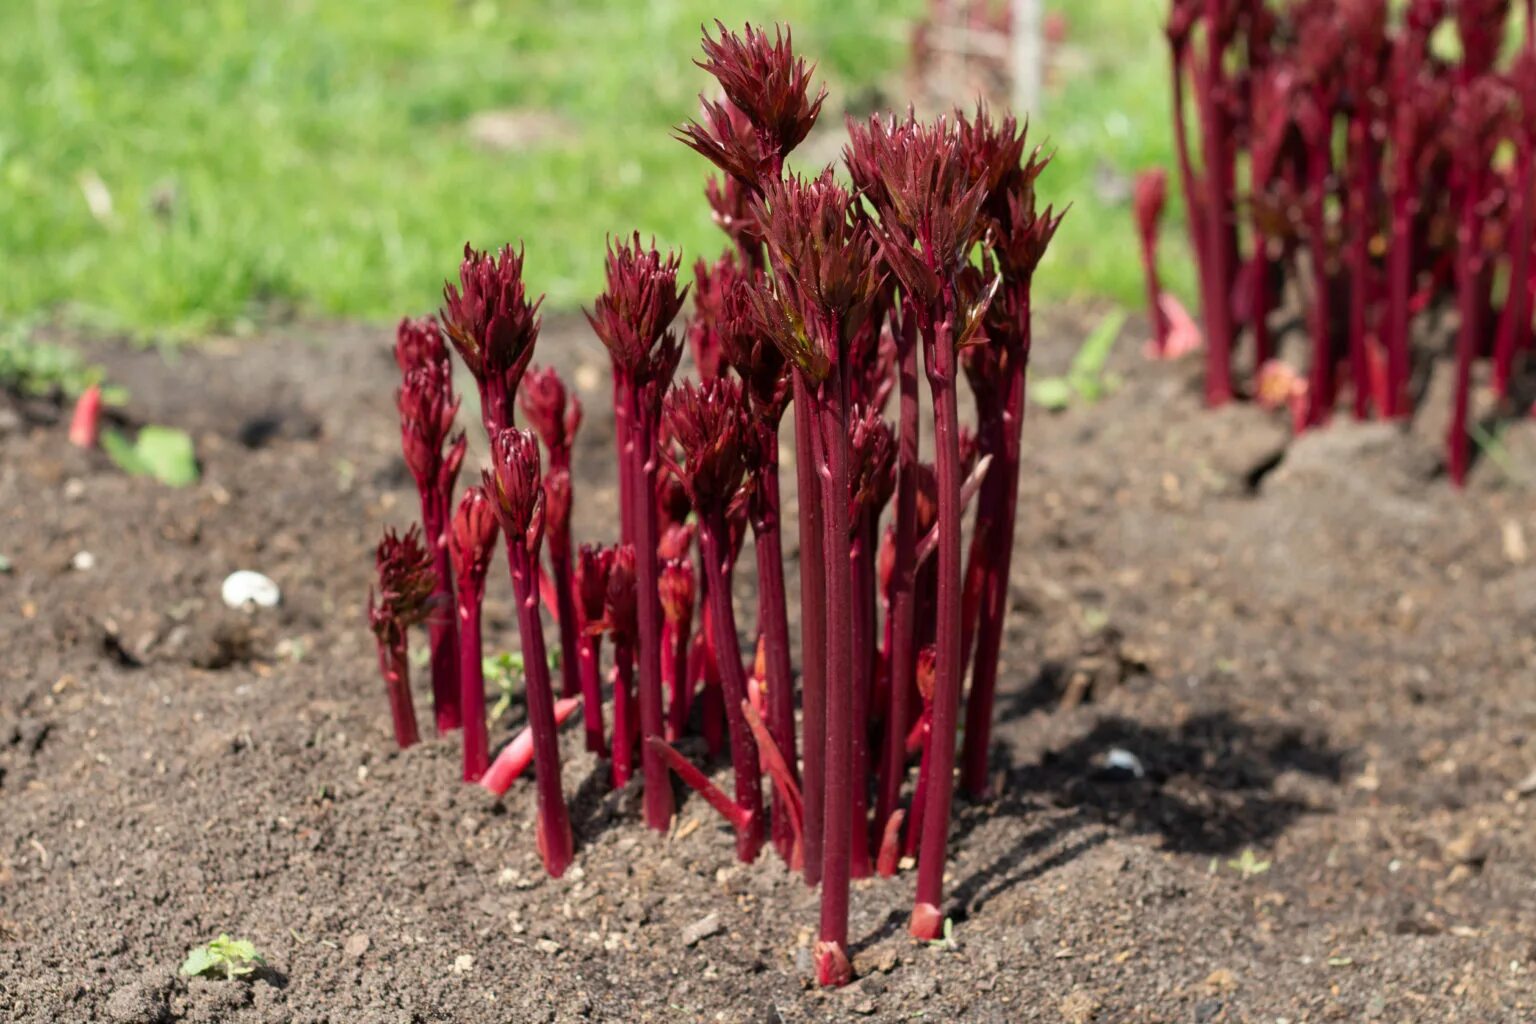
{"x": 1120, "y": 765}
{"x": 356, "y": 945}
{"x": 701, "y": 930}
{"x": 463, "y": 963}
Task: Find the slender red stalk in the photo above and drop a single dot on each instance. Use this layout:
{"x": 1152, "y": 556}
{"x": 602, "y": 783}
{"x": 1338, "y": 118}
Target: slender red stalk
{"x": 903, "y": 606}
{"x": 404, "y": 596}
{"x": 783, "y": 776}
{"x": 428, "y": 407}
{"x": 472, "y": 543}
{"x": 594, "y": 567}
{"x": 513, "y": 484}
{"x": 554, "y": 413}
{"x": 1150, "y": 197}
{"x": 677, "y": 633}
{"x": 633, "y": 317}
{"x": 813, "y": 628}
{"x": 706, "y": 423}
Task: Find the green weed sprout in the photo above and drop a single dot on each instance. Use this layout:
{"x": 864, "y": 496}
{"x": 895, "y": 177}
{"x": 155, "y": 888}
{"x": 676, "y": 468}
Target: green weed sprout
{"x": 233, "y": 958}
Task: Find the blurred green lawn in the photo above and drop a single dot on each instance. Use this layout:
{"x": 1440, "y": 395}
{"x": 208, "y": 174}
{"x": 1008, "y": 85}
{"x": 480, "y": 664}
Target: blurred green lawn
{"x": 169, "y": 169}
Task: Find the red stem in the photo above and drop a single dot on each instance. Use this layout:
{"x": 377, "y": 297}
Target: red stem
{"x": 1218, "y": 248}
{"x": 714, "y": 538}
{"x": 1468, "y": 281}
{"x": 396, "y": 669}
{"x": 472, "y": 690}
{"x": 930, "y": 877}
{"x": 675, "y": 639}
{"x": 561, "y": 569}
{"x": 442, "y": 632}
{"x": 997, "y": 505}
{"x": 903, "y": 660}
{"x": 643, "y": 468}
{"x": 784, "y": 785}
{"x": 554, "y": 825}
{"x": 920, "y": 791}
{"x": 773, "y": 621}
{"x": 624, "y": 725}
{"x": 837, "y": 819}
{"x": 589, "y": 657}
{"x": 862, "y": 567}
{"x": 813, "y": 627}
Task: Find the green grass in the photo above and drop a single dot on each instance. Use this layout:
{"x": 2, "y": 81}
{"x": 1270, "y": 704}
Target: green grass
{"x": 311, "y": 155}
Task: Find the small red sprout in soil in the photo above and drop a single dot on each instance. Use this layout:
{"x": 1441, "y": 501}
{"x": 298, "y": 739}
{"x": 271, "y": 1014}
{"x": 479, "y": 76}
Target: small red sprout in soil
{"x": 632, "y": 318}
{"x": 403, "y": 599}
{"x": 85, "y": 424}
{"x": 517, "y": 494}
{"x": 472, "y": 544}
{"x": 428, "y": 408}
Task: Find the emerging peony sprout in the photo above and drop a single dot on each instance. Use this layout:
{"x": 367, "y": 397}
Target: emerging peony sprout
{"x": 996, "y": 368}
{"x": 930, "y": 200}
{"x": 555, "y": 415}
{"x": 494, "y": 328}
{"x": 705, "y": 423}
{"x": 472, "y": 544}
{"x": 769, "y": 89}
{"x": 517, "y": 495}
{"x": 403, "y": 599}
{"x": 428, "y": 408}
{"x": 633, "y": 318}
{"x": 824, "y": 277}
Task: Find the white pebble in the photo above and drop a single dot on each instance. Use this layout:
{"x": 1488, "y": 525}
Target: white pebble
{"x": 83, "y": 561}
{"x": 245, "y": 588}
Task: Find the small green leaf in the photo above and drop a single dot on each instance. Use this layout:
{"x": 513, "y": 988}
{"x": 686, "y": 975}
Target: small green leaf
{"x": 1053, "y": 393}
{"x": 1088, "y": 365}
{"x": 122, "y": 452}
{"x": 164, "y": 453}
{"x": 169, "y": 455}
{"x": 200, "y": 961}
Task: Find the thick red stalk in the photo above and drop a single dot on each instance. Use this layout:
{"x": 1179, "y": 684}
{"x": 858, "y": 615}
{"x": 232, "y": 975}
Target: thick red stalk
{"x": 554, "y": 824}
{"x": 396, "y": 669}
{"x": 1154, "y": 290}
{"x": 1219, "y": 204}
{"x": 624, "y": 725}
{"x": 813, "y": 627}
{"x": 675, "y": 640}
{"x": 589, "y": 657}
{"x": 472, "y": 691}
{"x": 997, "y": 505}
{"x": 714, "y": 539}
{"x": 441, "y": 631}
{"x": 565, "y": 604}
{"x": 889, "y": 858}
{"x": 773, "y": 622}
{"x": 1400, "y": 265}
{"x": 837, "y": 819}
{"x": 903, "y": 658}
{"x": 641, "y": 506}
{"x": 927, "y": 919}
{"x": 862, "y": 568}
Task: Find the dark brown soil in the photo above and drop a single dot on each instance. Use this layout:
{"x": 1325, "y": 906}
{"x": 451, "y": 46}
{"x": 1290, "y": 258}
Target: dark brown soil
{"x": 1327, "y": 659}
